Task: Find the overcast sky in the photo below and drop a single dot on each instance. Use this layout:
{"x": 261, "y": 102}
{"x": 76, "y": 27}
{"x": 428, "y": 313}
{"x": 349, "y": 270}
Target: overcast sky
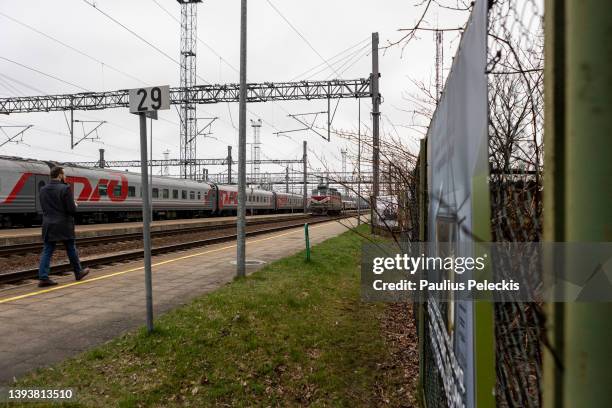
{"x": 275, "y": 53}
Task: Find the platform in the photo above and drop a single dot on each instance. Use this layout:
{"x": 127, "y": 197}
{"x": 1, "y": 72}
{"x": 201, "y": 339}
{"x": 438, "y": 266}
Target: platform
{"x": 44, "y": 326}
{"x": 30, "y": 235}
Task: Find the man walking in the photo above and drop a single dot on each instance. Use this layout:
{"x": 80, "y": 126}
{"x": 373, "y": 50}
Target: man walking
{"x": 59, "y": 208}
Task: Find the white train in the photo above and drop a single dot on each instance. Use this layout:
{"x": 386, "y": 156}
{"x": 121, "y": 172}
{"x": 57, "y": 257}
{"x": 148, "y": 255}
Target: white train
{"x": 105, "y": 195}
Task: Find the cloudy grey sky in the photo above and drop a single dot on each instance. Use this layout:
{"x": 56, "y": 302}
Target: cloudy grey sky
{"x": 275, "y": 53}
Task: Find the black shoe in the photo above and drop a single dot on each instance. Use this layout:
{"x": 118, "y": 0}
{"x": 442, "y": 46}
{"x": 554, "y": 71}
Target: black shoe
{"x": 80, "y": 275}
{"x": 46, "y": 282}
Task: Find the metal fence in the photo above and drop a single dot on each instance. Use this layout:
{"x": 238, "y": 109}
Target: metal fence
{"x": 516, "y": 105}
{"x": 514, "y": 97}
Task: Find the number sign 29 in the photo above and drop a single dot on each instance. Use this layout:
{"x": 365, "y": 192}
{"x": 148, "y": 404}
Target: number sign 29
{"x": 149, "y": 99}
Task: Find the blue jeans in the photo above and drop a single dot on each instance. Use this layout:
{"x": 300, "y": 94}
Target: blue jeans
{"x": 49, "y": 248}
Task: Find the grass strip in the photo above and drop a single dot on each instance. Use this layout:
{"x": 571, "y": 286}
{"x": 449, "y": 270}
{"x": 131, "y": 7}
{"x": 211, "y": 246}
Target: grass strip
{"x": 294, "y": 333}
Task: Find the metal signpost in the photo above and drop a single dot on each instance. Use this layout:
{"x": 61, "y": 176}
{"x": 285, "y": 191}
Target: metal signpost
{"x": 145, "y": 102}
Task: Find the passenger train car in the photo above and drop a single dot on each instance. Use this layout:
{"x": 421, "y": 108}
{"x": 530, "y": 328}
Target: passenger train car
{"x": 106, "y": 195}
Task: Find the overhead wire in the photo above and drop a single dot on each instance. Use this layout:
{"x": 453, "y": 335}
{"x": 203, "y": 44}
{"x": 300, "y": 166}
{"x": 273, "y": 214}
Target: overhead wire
{"x": 43, "y": 73}
{"x": 210, "y": 48}
{"x": 299, "y": 33}
{"x": 231, "y": 123}
{"x": 303, "y": 74}
{"x": 135, "y": 34}
{"x": 106, "y": 14}
{"x": 54, "y": 39}
{"x": 23, "y": 84}
{"x": 303, "y": 37}
{"x": 325, "y": 61}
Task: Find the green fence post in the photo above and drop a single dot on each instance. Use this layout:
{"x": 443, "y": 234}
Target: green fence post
{"x": 588, "y": 192}
{"x": 307, "y": 238}
{"x": 553, "y": 199}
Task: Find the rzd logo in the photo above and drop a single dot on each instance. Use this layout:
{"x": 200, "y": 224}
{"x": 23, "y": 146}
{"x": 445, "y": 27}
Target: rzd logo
{"x": 90, "y": 194}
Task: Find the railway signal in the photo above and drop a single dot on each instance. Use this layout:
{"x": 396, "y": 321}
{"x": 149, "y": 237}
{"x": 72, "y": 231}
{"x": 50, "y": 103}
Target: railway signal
{"x": 145, "y": 102}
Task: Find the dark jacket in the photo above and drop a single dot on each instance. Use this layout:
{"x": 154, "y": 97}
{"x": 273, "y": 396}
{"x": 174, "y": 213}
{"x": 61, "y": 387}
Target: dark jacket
{"x": 59, "y": 208}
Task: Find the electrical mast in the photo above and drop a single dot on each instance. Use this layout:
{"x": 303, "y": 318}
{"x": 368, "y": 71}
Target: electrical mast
{"x": 256, "y": 150}
{"x": 187, "y": 109}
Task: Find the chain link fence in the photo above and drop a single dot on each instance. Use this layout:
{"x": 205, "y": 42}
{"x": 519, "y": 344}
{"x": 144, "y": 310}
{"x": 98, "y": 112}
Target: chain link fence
{"x": 516, "y": 106}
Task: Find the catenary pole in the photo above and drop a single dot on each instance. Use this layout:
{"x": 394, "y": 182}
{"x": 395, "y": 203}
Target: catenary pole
{"x": 359, "y": 163}
{"x": 305, "y": 174}
{"x": 146, "y": 220}
{"x": 229, "y": 164}
{"x": 241, "y": 233}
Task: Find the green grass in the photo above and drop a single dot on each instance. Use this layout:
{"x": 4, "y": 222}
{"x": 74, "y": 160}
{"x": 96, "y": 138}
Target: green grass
{"x": 292, "y": 334}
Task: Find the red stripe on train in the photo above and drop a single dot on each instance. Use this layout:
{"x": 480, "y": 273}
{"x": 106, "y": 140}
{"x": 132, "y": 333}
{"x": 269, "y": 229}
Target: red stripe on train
{"x": 20, "y": 183}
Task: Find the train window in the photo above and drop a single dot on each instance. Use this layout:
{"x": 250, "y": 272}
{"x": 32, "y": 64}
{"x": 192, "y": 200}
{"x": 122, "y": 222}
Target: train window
{"x": 183, "y": 194}
{"x": 199, "y": 195}
{"x": 165, "y": 193}
{"x": 175, "y": 194}
{"x": 102, "y": 190}
{"x": 192, "y": 195}
{"x": 155, "y": 193}
{"x": 117, "y": 191}
{"x": 131, "y": 191}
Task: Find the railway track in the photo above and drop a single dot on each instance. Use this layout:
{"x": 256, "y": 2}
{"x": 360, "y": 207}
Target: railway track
{"x": 122, "y": 256}
{"x": 36, "y": 247}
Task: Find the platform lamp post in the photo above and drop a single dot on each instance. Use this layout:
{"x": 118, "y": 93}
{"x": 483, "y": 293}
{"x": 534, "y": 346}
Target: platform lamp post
{"x": 241, "y": 222}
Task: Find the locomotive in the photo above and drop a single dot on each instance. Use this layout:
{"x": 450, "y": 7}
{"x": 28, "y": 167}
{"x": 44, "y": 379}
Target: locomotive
{"x": 105, "y": 195}
{"x": 325, "y": 200}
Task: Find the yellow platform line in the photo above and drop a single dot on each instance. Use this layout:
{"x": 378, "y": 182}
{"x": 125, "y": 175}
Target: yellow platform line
{"x": 110, "y": 275}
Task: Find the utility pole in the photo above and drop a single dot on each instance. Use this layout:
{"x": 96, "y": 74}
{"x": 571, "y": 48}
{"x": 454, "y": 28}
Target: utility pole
{"x": 577, "y": 183}
{"x": 305, "y": 163}
{"x": 241, "y": 223}
{"x": 359, "y": 163}
{"x": 375, "y": 123}
{"x": 229, "y": 164}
